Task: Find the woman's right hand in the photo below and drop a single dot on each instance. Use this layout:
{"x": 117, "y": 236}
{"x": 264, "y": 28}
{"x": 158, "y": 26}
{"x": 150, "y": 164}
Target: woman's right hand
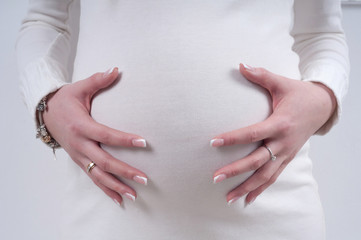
{"x": 69, "y": 122}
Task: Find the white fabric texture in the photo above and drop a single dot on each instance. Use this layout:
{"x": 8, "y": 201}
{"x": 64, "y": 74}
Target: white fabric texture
{"x": 180, "y": 86}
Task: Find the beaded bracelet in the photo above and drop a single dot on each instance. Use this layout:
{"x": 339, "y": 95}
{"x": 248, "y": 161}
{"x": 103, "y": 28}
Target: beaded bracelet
{"x": 41, "y": 131}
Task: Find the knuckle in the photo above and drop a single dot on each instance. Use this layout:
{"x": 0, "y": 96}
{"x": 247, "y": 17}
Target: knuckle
{"x": 119, "y": 188}
{"x": 256, "y": 164}
{"x": 253, "y": 135}
{"x": 284, "y": 126}
{"x": 97, "y": 178}
{"x": 264, "y": 177}
{"x": 105, "y": 164}
{"x": 90, "y": 84}
{"x": 231, "y": 139}
{"x": 272, "y": 180}
{"x": 104, "y": 137}
{"x": 233, "y": 171}
{"x": 94, "y": 78}
{"x": 124, "y": 139}
{"x": 127, "y": 172}
{"x": 75, "y": 127}
{"x": 97, "y": 75}
{"x": 263, "y": 73}
{"x": 247, "y": 188}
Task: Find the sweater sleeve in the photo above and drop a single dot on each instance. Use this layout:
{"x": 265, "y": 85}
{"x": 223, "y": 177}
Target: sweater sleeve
{"x": 45, "y": 48}
{"x": 322, "y": 49}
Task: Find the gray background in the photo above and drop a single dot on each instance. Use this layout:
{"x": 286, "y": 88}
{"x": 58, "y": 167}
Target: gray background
{"x": 31, "y": 181}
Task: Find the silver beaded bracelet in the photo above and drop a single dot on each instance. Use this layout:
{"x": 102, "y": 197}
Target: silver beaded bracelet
{"x": 41, "y": 131}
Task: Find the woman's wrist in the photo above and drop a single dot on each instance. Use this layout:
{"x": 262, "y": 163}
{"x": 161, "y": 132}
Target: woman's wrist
{"x": 42, "y": 132}
{"x": 329, "y": 102}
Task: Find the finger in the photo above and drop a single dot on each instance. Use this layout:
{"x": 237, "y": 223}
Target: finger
{"x": 252, "y": 162}
{"x": 112, "y": 165}
{"x": 260, "y": 177}
{"x": 98, "y": 81}
{"x": 262, "y": 77}
{"x": 112, "y": 194}
{"x": 251, "y": 197}
{"x": 106, "y": 179}
{"x": 109, "y": 136}
{"x": 254, "y": 133}
{"x": 112, "y": 183}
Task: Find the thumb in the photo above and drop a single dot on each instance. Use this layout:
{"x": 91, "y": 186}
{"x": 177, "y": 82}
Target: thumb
{"x": 261, "y": 76}
{"x": 99, "y": 81}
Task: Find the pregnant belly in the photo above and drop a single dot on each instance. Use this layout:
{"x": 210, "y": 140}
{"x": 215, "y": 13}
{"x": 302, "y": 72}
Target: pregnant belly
{"x": 178, "y": 113}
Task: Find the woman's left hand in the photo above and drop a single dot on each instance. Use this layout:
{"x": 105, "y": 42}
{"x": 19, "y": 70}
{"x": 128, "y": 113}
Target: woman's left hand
{"x": 300, "y": 108}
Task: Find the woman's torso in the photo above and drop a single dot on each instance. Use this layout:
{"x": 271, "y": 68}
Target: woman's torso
{"x": 179, "y": 87}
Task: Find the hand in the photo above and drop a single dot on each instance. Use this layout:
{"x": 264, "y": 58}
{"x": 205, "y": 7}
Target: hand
{"x": 299, "y": 110}
{"x": 69, "y": 122}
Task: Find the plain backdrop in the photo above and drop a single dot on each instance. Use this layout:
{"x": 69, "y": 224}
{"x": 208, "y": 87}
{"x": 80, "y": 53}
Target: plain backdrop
{"x": 31, "y": 181}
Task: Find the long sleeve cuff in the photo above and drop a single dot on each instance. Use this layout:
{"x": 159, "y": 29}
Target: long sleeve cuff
{"x": 34, "y": 88}
{"x": 335, "y": 78}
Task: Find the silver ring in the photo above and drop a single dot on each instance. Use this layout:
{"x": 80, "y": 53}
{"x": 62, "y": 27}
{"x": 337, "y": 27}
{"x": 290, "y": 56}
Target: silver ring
{"x": 273, "y": 157}
{"x": 90, "y": 166}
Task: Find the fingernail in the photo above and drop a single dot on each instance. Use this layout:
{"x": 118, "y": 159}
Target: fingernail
{"x": 130, "y": 196}
{"x": 139, "y": 143}
{"x": 216, "y": 142}
{"x": 232, "y": 200}
{"x": 108, "y": 72}
{"x": 249, "y": 68}
{"x": 141, "y": 180}
{"x": 116, "y": 202}
{"x": 250, "y": 202}
{"x": 219, "y": 178}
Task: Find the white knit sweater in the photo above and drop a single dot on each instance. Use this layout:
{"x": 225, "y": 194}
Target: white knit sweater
{"x": 181, "y": 86}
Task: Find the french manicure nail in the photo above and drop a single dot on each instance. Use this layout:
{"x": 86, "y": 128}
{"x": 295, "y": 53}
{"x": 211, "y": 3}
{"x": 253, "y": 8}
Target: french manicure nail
{"x": 219, "y": 178}
{"x": 141, "y": 180}
{"x": 139, "y": 143}
{"x": 216, "y": 142}
{"x": 130, "y": 196}
{"x": 232, "y": 200}
{"x": 109, "y": 72}
{"x": 247, "y": 67}
{"x": 248, "y": 203}
{"x": 116, "y": 202}
{"x": 251, "y": 201}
